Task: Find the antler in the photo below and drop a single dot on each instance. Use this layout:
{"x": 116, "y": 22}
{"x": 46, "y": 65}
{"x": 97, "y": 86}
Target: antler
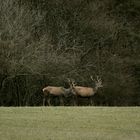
{"x": 99, "y": 79}
{"x": 99, "y": 82}
{"x": 92, "y": 78}
{"x": 68, "y": 80}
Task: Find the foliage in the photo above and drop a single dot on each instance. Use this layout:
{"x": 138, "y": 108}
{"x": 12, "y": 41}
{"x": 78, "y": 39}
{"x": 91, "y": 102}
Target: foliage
{"x": 46, "y": 42}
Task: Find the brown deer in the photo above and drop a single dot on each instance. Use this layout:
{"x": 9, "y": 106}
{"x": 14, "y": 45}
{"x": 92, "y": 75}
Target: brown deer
{"x": 85, "y": 91}
{"x": 55, "y": 91}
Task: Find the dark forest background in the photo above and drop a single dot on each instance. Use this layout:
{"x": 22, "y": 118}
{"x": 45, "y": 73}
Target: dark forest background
{"x": 44, "y": 42}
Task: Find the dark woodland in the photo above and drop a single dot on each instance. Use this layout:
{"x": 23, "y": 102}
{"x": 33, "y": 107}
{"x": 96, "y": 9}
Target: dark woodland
{"x": 45, "y": 42}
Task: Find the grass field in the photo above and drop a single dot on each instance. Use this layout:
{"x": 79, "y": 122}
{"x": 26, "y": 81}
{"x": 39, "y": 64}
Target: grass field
{"x": 70, "y": 123}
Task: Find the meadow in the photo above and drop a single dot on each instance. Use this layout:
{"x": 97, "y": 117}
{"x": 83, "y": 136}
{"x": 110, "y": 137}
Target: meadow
{"x": 69, "y": 123}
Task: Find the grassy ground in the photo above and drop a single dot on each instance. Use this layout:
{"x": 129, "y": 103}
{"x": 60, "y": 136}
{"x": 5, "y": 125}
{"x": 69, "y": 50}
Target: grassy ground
{"x": 70, "y": 123}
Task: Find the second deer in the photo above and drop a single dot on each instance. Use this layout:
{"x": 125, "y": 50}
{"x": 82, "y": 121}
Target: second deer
{"x": 85, "y": 91}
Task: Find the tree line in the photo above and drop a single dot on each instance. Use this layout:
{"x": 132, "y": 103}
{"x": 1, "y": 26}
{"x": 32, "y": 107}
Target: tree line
{"x": 45, "y": 42}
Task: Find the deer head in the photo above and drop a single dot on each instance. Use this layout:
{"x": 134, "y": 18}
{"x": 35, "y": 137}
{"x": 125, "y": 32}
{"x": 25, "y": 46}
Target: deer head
{"x": 72, "y": 83}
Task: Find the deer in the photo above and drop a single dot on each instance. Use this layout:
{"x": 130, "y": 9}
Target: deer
{"x": 85, "y": 91}
{"x": 55, "y": 91}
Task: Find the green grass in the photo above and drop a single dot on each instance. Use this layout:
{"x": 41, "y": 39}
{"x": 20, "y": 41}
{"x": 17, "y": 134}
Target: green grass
{"x": 70, "y": 123}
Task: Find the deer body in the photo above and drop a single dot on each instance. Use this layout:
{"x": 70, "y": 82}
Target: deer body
{"x": 83, "y": 91}
{"x": 55, "y": 91}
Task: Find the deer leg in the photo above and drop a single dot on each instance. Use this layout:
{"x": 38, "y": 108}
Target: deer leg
{"x": 91, "y": 101}
{"x": 75, "y": 101}
{"x": 61, "y": 101}
{"x": 49, "y": 101}
{"x": 44, "y": 101}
